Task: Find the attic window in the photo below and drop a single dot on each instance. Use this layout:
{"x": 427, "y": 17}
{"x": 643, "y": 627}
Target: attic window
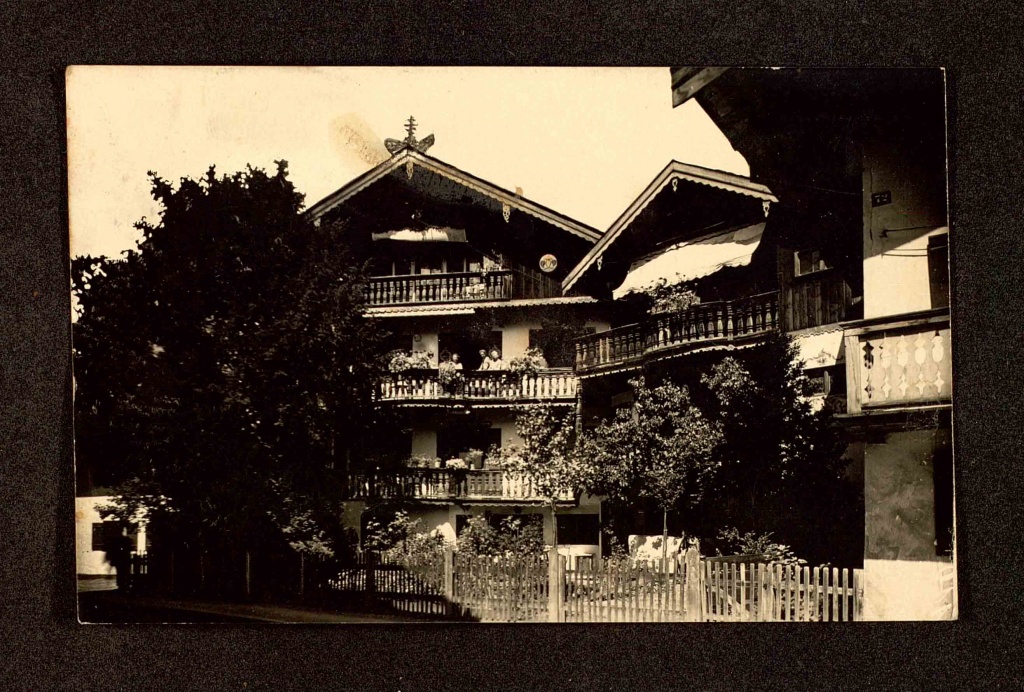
{"x": 808, "y": 262}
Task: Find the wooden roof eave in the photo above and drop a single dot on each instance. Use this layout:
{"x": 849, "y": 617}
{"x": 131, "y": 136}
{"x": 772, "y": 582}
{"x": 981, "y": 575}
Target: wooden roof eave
{"x": 721, "y": 180}
{"x": 479, "y": 185}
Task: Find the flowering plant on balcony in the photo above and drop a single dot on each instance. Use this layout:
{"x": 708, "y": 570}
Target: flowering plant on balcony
{"x": 529, "y": 364}
{"x": 423, "y": 461}
{"x": 400, "y": 361}
{"x": 450, "y": 376}
{"x": 456, "y": 464}
{"x": 668, "y": 297}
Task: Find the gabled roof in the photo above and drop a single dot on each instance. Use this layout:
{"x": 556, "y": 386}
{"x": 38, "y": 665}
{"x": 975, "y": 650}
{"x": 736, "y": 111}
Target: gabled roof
{"x": 410, "y": 157}
{"x": 673, "y": 171}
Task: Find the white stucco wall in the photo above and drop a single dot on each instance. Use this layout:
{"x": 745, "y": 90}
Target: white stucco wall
{"x": 509, "y": 436}
{"x": 515, "y": 339}
{"x": 91, "y": 562}
{"x": 909, "y": 590}
{"x": 896, "y": 264}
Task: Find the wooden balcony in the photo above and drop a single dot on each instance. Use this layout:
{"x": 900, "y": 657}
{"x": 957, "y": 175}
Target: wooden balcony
{"x": 441, "y": 485}
{"x": 423, "y": 385}
{"x": 899, "y": 363}
{"x": 814, "y": 300}
{"x": 722, "y": 322}
{"x": 439, "y": 288}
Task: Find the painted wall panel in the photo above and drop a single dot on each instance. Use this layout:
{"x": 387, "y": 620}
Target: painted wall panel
{"x": 899, "y": 496}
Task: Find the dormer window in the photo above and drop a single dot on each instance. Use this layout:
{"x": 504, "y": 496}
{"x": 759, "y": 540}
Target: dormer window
{"x": 808, "y": 262}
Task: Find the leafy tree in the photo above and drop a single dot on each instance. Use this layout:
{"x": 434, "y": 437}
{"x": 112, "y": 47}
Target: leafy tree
{"x": 780, "y": 464}
{"x": 222, "y": 368}
{"x": 548, "y": 458}
{"x": 660, "y": 450}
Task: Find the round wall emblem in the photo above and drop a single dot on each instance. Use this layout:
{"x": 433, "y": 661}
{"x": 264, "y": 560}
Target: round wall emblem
{"x": 548, "y": 263}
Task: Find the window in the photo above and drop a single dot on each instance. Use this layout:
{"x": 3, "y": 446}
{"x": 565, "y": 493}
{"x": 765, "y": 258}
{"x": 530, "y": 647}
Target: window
{"x": 820, "y": 381}
{"x": 808, "y": 262}
{"x": 104, "y": 533}
{"x": 491, "y": 438}
{"x": 938, "y": 270}
{"x": 578, "y": 529}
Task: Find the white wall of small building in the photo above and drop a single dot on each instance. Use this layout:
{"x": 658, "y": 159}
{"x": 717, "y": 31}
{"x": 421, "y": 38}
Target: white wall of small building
{"x": 91, "y": 562}
{"x": 896, "y": 278}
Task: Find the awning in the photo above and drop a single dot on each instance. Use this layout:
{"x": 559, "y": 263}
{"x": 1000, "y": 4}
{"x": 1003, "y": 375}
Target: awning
{"x": 819, "y": 350}
{"x": 694, "y": 259}
{"x": 442, "y": 234}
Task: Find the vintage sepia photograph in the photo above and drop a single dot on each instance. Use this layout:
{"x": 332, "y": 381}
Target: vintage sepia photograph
{"x": 511, "y": 345}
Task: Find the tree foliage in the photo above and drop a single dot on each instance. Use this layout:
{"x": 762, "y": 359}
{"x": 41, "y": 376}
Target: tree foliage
{"x": 660, "y": 450}
{"x": 220, "y": 366}
{"x": 549, "y": 457}
{"x": 780, "y": 462}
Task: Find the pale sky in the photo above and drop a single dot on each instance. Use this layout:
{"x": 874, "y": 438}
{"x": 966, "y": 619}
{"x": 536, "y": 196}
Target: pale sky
{"x": 583, "y": 141}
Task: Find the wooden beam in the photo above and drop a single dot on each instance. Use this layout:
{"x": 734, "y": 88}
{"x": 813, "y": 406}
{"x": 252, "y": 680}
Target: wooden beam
{"x": 687, "y": 81}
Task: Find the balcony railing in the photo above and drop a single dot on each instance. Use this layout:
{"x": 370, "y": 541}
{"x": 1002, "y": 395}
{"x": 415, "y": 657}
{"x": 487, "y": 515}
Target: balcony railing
{"x": 439, "y": 288}
{"x": 902, "y": 363}
{"x": 440, "y": 485}
{"x": 722, "y": 321}
{"x": 424, "y": 385}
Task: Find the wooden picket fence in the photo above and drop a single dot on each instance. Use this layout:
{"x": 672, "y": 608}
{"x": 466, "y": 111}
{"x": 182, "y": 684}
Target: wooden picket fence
{"x": 502, "y": 589}
{"x": 539, "y": 588}
{"x": 762, "y": 592}
{"x": 627, "y": 591}
{"x": 413, "y": 585}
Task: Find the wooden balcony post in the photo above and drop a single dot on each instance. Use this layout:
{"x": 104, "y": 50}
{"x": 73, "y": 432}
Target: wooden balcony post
{"x": 854, "y": 356}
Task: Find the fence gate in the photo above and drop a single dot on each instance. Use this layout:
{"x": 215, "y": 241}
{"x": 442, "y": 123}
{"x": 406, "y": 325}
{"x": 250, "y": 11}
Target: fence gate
{"x": 374, "y": 582}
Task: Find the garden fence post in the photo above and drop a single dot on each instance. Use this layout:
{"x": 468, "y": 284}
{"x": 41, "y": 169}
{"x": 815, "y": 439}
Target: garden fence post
{"x": 693, "y": 587}
{"x": 449, "y": 581}
{"x": 556, "y": 586}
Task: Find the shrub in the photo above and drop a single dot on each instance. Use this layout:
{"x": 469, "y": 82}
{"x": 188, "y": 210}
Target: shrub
{"x": 402, "y": 538}
{"x": 513, "y": 536}
{"x": 758, "y": 544}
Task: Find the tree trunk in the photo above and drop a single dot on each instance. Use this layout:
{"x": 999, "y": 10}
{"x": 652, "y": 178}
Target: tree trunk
{"x": 664, "y": 538}
{"x": 554, "y": 528}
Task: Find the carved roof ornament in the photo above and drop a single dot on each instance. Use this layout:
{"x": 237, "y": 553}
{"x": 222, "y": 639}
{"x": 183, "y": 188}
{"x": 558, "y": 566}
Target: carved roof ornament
{"x": 410, "y": 142}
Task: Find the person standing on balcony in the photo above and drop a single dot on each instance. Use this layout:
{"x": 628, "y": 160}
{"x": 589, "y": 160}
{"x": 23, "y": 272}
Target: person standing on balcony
{"x": 495, "y": 362}
{"x": 456, "y": 361}
{"x": 485, "y": 364}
